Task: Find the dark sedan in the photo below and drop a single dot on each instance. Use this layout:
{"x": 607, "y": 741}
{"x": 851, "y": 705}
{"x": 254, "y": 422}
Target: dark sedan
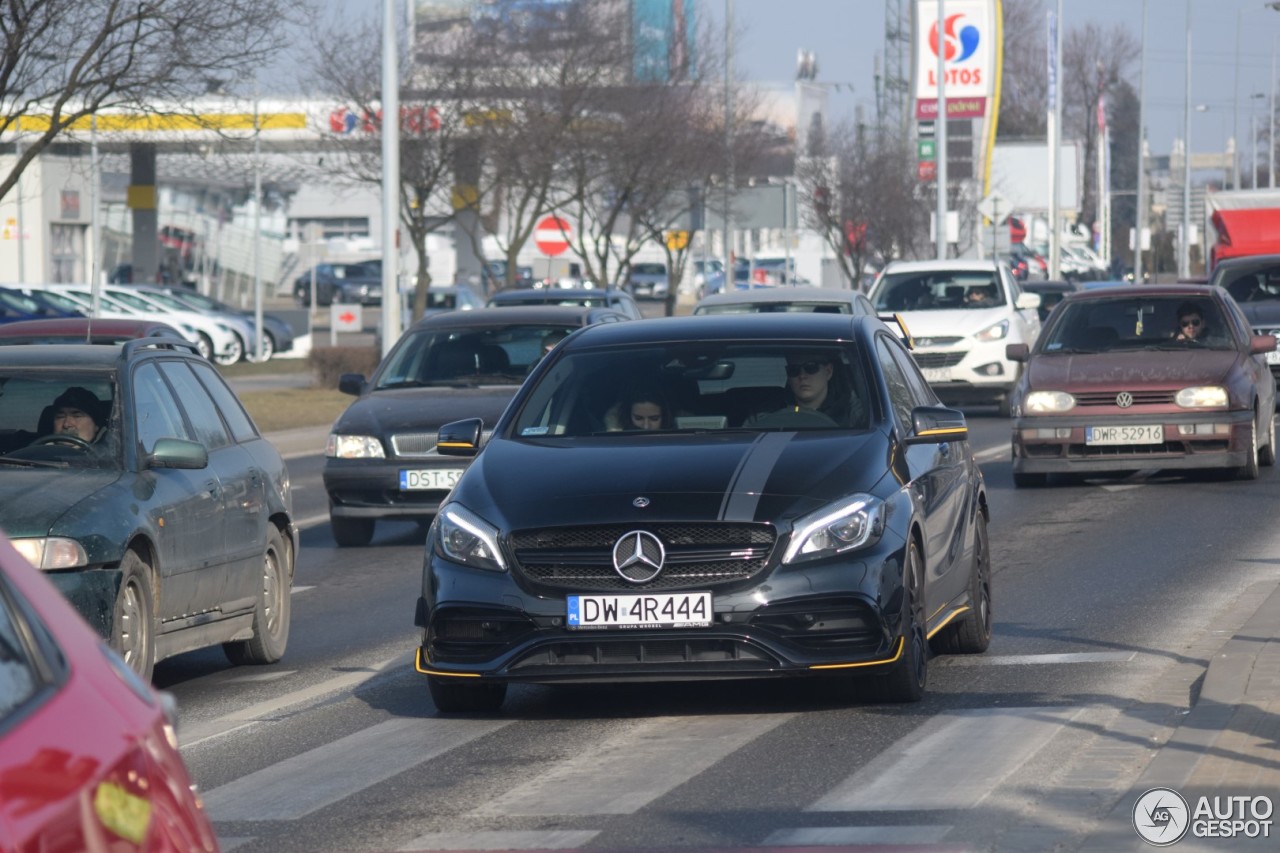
{"x": 354, "y": 283}
{"x": 380, "y": 459}
{"x": 1151, "y": 377}
{"x": 84, "y": 330}
{"x": 1254, "y": 282}
{"x": 807, "y": 509}
{"x": 794, "y": 299}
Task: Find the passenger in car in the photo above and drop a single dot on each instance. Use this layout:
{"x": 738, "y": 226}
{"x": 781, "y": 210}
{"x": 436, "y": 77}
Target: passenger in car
{"x": 642, "y": 407}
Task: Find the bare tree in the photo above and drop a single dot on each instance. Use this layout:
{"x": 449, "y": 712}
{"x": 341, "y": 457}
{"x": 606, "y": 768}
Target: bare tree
{"x": 1024, "y": 85}
{"x": 65, "y": 60}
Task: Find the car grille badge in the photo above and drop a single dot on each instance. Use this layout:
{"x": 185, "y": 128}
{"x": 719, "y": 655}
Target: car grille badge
{"x": 1124, "y": 399}
{"x": 640, "y": 503}
{"x": 638, "y": 556}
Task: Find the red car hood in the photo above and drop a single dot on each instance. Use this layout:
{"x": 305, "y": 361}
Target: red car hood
{"x": 1138, "y": 368}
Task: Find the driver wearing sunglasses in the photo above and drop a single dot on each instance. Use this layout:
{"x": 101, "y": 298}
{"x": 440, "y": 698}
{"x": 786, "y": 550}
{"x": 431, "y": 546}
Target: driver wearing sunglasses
{"x": 814, "y": 386}
{"x": 1190, "y": 323}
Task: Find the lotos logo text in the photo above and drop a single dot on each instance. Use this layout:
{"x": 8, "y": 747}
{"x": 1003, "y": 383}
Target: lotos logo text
{"x": 959, "y": 47}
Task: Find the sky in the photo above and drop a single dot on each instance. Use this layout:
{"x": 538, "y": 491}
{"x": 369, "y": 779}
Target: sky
{"x": 846, "y": 35}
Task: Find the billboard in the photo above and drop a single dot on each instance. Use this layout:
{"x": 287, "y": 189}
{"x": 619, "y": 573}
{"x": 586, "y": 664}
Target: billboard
{"x": 662, "y": 35}
{"x": 970, "y": 43}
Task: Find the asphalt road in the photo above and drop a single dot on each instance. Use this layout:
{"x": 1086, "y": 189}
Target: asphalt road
{"x": 1106, "y": 593}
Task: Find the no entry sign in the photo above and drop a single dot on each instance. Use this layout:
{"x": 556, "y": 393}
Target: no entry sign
{"x": 551, "y": 235}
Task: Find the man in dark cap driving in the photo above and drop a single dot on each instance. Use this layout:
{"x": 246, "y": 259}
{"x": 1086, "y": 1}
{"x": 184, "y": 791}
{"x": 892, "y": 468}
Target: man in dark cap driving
{"x": 78, "y": 412}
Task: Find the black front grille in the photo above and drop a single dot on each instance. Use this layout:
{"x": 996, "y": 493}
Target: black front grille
{"x": 1140, "y": 398}
{"x": 938, "y": 359}
{"x": 697, "y": 555}
{"x": 641, "y": 653}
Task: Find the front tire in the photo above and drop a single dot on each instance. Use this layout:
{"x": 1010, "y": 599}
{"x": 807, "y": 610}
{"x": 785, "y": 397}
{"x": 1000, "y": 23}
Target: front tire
{"x": 133, "y": 620}
{"x": 233, "y": 354}
{"x": 1267, "y": 454}
{"x": 204, "y": 346}
{"x": 907, "y": 680}
{"x": 464, "y": 696}
{"x": 351, "y": 532}
{"x": 1249, "y": 470}
{"x": 972, "y": 634}
{"x": 271, "y": 615}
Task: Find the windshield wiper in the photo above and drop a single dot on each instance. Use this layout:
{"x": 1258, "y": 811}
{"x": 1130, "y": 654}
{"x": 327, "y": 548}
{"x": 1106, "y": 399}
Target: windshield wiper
{"x": 33, "y": 463}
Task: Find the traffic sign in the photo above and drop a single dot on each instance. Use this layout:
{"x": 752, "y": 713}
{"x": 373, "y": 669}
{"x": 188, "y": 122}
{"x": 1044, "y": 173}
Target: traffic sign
{"x": 677, "y": 240}
{"x": 926, "y": 128}
{"x": 993, "y": 205}
{"x": 346, "y": 318}
{"x": 926, "y": 149}
{"x": 551, "y": 235}
{"x": 927, "y": 170}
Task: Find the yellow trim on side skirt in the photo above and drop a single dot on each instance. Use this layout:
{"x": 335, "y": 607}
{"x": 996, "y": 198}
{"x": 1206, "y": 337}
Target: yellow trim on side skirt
{"x": 953, "y": 614}
{"x": 417, "y": 664}
{"x": 902, "y": 641}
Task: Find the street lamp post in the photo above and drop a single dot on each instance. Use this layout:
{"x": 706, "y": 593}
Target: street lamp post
{"x": 1140, "y": 203}
{"x": 1253, "y": 137}
{"x": 1184, "y": 245}
{"x": 1274, "y": 6}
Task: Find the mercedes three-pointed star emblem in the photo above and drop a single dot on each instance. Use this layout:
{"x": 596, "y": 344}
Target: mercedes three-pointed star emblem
{"x": 638, "y": 556}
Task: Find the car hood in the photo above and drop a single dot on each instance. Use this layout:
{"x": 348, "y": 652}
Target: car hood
{"x": 737, "y": 476}
{"x": 950, "y": 322}
{"x": 421, "y": 409}
{"x": 1263, "y": 314}
{"x": 32, "y": 500}
{"x": 1161, "y": 368}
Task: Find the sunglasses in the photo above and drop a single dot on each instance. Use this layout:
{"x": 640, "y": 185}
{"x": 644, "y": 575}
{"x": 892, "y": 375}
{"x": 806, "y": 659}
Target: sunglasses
{"x": 1195, "y": 324}
{"x": 809, "y": 368}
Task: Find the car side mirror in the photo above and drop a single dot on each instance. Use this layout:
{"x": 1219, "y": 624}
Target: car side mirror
{"x": 1258, "y": 344}
{"x": 178, "y": 453}
{"x": 351, "y": 383}
{"x": 1028, "y": 300}
{"x": 936, "y": 425}
{"x": 1017, "y": 352}
{"x": 460, "y": 438}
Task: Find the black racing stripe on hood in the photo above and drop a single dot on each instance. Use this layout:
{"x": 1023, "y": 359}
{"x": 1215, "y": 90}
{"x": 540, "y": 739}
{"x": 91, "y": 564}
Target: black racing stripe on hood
{"x": 747, "y": 483}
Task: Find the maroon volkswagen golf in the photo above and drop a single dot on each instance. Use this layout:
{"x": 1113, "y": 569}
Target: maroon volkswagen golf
{"x": 1144, "y": 377}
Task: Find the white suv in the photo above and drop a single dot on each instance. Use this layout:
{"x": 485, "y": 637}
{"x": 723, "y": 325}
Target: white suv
{"x": 961, "y": 314}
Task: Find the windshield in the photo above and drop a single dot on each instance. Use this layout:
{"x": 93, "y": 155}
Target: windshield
{"x": 500, "y": 355}
{"x": 65, "y": 419}
{"x": 1251, "y": 284}
{"x": 697, "y": 387}
{"x": 938, "y": 289}
{"x": 1137, "y": 323}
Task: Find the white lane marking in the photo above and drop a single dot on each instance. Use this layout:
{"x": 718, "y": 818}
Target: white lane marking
{"x": 198, "y": 733}
{"x": 833, "y": 836}
{"x": 297, "y": 589}
{"x": 951, "y": 762}
{"x": 1020, "y": 660}
{"x": 991, "y": 453}
{"x": 311, "y": 521}
{"x": 260, "y": 676}
{"x": 633, "y": 768}
{"x": 528, "y": 839}
{"x": 298, "y": 786}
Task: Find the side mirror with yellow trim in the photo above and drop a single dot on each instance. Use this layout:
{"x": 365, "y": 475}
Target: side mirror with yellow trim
{"x": 460, "y": 438}
{"x": 936, "y": 425}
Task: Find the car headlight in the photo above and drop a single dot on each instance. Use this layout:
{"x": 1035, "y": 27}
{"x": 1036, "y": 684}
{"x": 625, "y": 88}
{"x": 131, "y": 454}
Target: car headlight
{"x": 354, "y": 447}
{"x": 847, "y": 525}
{"x": 1202, "y": 397}
{"x": 994, "y": 332}
{"x": 1048, "y": 402}
{"x": 464, "y": 537}
{"x": 52, "y": 552}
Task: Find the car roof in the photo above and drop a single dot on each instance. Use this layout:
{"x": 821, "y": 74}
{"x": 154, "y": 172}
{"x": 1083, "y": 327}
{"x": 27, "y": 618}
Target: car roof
{"x": 552, "y": 294}
{"x": 1188, "y": 291}
{"x": 786, "y": 293}
{"x": 985, "y": 264}
{"x": 1247, "y": 261}
{"x": 1049, "y": 286}
{"x": 565, "y": 315}
{"x": 86, "y": 325}
{"x": 704, "y": 327}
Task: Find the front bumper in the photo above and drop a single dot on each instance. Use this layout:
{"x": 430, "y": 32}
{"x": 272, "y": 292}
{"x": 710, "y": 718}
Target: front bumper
{"x": 968, "y": 371}
{"x": 838, "y": 617}
{"x": 92, "y": 592}
{"x": 1226, "y": 443}
{"x": 371, "y": 488}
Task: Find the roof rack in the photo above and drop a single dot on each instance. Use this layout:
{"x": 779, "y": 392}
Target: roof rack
{"x": 166, "y": 342}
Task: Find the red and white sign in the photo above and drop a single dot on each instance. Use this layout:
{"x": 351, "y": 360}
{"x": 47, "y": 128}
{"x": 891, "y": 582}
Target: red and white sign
{"x": 551, "y": 235}
{"x": 968, "y": 44}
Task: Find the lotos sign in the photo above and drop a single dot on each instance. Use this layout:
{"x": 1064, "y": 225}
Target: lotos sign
{"x": 413, "y": 119}
{"x": 968, "y": 45}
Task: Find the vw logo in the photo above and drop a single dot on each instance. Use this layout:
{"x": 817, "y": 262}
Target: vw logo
{"x": 1124, "y": 399}
{"x": 638, "y": 556}
{"x": 640, "y": 503}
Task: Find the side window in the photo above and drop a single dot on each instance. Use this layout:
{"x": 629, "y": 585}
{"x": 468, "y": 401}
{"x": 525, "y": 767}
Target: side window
{"x": 154, "y": 409}
{"x": 228, "y": 403}
{"x": 20, "y": 680}
{"x": 199, "y": 406}
{"x": 899, "y": 391}
{"x": 920, "y": 390}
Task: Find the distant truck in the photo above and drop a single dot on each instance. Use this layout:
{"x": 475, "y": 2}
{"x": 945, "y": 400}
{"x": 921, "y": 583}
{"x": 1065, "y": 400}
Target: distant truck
{"x": 1240, "y": 223}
